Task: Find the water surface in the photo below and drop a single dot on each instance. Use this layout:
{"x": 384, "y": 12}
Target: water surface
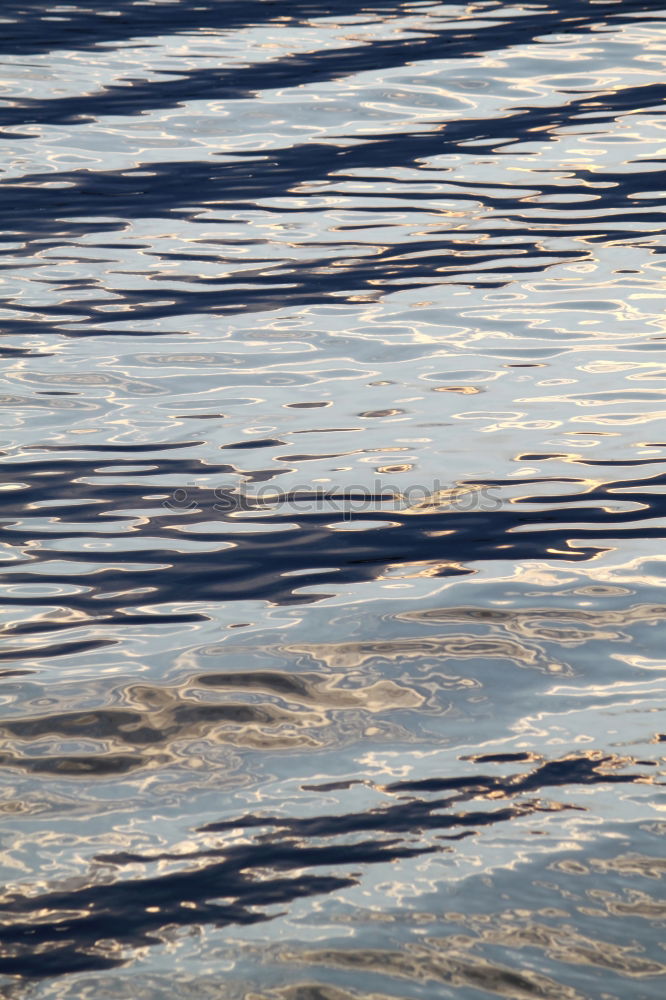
{"x": 332, "y": 500}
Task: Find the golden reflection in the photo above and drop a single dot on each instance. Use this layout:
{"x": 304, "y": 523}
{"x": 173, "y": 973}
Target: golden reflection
{"x": 446, "y": 960}
{"x": 424, "y": 569}
{"x": 464, "y": 390}
{"x": 158, "y": 723}
{"x": 316, "y": 991}
{"x": 564, "y": 626}
{"x": 562, "y": 943}
{"x": 630, "y": 865}
{"x": 352, "y": 655}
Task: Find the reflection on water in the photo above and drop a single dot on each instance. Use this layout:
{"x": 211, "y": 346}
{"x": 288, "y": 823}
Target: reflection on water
{"x": 332, "y": 511}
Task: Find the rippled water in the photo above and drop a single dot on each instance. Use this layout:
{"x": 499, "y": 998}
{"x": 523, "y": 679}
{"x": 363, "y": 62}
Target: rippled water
{"x": 332, "y": 504}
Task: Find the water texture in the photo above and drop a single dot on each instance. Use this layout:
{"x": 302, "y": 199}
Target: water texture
{"x": 333, "y": 500}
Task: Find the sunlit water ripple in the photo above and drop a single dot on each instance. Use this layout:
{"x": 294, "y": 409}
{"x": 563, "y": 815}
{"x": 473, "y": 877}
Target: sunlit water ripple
{"x": 332, "y": 500}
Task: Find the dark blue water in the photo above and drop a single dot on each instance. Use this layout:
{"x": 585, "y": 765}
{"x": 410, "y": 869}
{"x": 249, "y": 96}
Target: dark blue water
{"x": 333, "y": 501}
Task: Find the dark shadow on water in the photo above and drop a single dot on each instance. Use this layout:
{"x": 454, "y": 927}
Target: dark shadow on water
{"x": 132, "y": 912}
